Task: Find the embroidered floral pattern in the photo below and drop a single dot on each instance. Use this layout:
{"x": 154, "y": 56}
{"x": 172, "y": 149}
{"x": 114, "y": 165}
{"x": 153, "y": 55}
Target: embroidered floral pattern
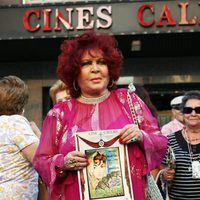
{"x": 18, "y": 180}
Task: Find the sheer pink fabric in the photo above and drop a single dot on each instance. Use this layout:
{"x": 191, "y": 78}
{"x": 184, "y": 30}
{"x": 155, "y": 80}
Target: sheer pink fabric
{"x": 67, "y": 118}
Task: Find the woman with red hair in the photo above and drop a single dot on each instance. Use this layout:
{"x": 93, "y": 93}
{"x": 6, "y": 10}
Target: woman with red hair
{"x": 90, "y": 65}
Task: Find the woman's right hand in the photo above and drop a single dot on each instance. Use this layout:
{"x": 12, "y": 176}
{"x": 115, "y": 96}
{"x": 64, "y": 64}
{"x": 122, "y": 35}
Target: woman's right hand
{"x": 75, "y": 160}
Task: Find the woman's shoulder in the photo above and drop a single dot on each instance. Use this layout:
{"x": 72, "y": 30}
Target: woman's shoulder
{"x": 16, "y": 125}
{"x": 120, "y": 90}
{"x": 122, "y": 93}
{"x": 11, "y": 119}
{"x": 61, "y": 107}
{"x": 174, "y": 136}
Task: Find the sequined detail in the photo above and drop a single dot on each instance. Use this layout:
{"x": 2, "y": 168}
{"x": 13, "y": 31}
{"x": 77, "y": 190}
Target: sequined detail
{"x": 74, "y": 130}
{"x": 64, "y": 138}
{"x": 121, "y": 97}
{"x": 95, "y": 117}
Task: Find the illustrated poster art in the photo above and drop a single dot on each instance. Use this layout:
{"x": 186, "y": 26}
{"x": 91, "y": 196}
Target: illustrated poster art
{"x": 107, "y": 176}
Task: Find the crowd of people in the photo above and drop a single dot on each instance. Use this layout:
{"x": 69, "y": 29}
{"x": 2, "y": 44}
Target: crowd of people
{"x": 86, "y": 99}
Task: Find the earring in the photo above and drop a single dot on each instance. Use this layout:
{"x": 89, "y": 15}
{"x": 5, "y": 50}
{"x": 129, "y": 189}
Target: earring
{"x": 112, "y": 83}
{"x": 74, "y": 86}
{"x": 23, "y": 112}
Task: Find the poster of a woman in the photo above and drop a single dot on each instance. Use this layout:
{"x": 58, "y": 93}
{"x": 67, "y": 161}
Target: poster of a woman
{"x": 104, "y": 173}
{"x": 107, "y": 175}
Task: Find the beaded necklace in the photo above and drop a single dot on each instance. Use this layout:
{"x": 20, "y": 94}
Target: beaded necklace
{"x": 94, "y": 100}
{"x": 185, "y": 135}
{"x": 195, "y": 164}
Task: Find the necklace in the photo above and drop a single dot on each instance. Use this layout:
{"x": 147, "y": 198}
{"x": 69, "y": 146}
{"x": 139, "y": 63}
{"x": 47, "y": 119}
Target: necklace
{"x": 195, "y": 164}
{"x": 95, "y": 99}
{"x": 185, "y": 135}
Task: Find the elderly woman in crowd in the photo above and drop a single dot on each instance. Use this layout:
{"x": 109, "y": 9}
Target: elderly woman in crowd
{"x": 18, "y": 143}
{"x": 90, "y": 65}
{"x": 183, "y": 172}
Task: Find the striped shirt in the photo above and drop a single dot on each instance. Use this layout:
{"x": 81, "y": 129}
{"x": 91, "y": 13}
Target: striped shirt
{"x": 184, "y": 187}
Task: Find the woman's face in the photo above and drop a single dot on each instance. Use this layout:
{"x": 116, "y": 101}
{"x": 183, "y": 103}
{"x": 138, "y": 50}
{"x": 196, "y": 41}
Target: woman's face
{"x": 62, "y": 96}
{"x": 94, "y": 76}
{"x": 192, "y": 119}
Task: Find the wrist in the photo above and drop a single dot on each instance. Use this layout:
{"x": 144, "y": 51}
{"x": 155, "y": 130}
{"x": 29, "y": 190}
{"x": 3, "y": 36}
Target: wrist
{"x": 60, "y": 172}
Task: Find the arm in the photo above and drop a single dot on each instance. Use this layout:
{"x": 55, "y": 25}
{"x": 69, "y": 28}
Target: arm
{"x": 35, "y": 129}
{"x": 167, "y": 173}
{"x": 52, "y": 165}
{"x": 24, "y": 137}
{"x": 148, "y": 134}
{"x": 29, "y": 152}
{"x": 154, "y": 143}
{"x": 47, "y": 157}
{"x": 168, "y": 165}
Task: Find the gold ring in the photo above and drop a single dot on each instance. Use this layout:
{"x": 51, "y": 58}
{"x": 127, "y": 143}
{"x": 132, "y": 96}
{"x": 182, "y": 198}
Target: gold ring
{"x": 72, "y": 162}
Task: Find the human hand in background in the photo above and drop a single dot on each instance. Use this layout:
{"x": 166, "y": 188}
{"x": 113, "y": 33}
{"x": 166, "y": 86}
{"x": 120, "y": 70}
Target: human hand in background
{"x": 168, "y": 174}
{"x": 130, "y": 133}
{"x": 35, "y": 128}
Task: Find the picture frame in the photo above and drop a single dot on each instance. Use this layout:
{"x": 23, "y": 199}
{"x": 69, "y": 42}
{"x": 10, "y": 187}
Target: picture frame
{"x": 107, "y": 175}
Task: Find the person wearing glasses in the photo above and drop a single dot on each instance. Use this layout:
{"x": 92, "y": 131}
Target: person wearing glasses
{"x": 183, "y": 177}
{"x": 177, "y": 117}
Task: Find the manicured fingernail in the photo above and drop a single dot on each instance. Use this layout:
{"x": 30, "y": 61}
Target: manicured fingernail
{"x": 120, "y": 140}
{"x": 88, "y": 162}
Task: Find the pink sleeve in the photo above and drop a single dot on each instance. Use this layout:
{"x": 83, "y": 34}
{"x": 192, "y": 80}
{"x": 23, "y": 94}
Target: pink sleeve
{"x": 154, "y": 143}
{"x": 166, "y": 130}
{"x": 47, "y": 155}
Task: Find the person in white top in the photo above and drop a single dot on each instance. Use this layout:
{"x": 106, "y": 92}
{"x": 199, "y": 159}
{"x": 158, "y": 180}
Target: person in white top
{"x": 177, "y": 117}
{"x": 18, "y": 143}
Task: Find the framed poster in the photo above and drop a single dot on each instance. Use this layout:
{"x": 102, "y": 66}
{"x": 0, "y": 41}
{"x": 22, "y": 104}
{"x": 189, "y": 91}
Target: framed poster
{"x": 107, "y": 176}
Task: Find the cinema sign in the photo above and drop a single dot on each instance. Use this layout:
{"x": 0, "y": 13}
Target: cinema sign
{"x": 119, "y": 18}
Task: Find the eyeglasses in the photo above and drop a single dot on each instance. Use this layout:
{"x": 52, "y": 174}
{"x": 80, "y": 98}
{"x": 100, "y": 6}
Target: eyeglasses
{"x": 188, "y": 110}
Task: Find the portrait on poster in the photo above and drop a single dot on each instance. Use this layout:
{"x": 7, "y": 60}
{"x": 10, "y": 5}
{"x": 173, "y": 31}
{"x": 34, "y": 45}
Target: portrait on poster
{"x": 107, "y": 176}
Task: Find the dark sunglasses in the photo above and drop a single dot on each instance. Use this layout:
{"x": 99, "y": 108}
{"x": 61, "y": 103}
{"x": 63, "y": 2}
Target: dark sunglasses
{"x": 188, "y": 110}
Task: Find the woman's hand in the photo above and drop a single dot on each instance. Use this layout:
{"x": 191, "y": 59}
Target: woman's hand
{"x": 130, "y": 133}
{"x": 168, "y": 174}
{"x": 75, "y": 160}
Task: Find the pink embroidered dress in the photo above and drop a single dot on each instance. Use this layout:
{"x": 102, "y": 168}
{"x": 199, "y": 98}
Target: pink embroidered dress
{"x": 71, "y": 116}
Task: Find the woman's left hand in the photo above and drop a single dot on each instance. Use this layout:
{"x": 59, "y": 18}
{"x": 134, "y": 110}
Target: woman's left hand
{"x": 130, "y": 133}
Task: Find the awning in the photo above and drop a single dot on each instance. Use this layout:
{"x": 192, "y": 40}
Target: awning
{"x": 119, "y": 18}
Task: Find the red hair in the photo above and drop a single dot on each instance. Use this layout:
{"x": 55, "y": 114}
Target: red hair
{"x": 69, "y": 60}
